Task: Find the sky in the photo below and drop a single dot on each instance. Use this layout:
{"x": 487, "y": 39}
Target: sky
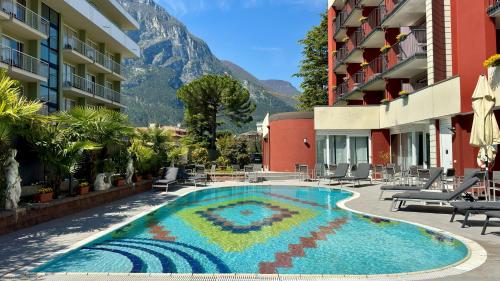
{"x": 259, "y": 35}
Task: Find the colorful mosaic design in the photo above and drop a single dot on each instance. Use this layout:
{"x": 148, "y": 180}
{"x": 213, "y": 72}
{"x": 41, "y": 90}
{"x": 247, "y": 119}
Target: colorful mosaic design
{"x": 233, "y": 236}
{"x": 377, "y": 221}
{"x": 440, "y": 238}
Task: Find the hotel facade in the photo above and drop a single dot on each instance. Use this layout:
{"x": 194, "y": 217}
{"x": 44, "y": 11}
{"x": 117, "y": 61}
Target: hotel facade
{"x": 67, "y": 52}
{"x": 401, "y": 74}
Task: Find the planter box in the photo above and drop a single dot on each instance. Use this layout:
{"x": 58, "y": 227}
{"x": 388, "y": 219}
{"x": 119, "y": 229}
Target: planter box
{"x": 120, "y": 182}
{"x": 44, "y": 198}
{"x": 83, "y": 190}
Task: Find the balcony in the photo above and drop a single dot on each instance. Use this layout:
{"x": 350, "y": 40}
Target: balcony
{"x": 354, "y": 13}
{"x": 340, "y": 28}
{"x": 412, "y": 87}
{"x": 373, "y": 75}
{"x": 370, "y": 3}
{"x": 77, "y": 86}
{"x": 355, "y": 53}
{"x": 23, "y": 67}
{"x": 494, "y": 8}
{"x": 78, "y": 52}
{"x": 341, "y": 91}
{"x": 408, "y": 57}
{"x": 340, "y": 66}
{"x": 338, "y": 4}
{"x": 22, "y": 21}
{"x": 403, "y": 13}
{"x": 373, "y": 35}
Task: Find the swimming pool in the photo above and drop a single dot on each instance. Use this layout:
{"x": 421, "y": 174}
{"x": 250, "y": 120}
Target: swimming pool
{"x": 263, "y": 229}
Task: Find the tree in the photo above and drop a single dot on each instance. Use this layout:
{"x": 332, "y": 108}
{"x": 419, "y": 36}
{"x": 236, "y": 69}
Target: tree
{"x": 208, "y": 101}
{"x": 314, "y": 67}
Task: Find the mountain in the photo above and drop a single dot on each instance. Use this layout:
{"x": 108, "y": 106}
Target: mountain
{"x": 172, "y": 56}
{"x": 280, "y": 86}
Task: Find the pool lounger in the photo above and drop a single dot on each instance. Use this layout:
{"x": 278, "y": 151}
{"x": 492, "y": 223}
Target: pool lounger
{"x": 399, "y": 199}
{"x": 489, "y": 215}
{"x": 477, "y": 207}
{"x": 340, "y": 173}
{"x": 435, "y": 174}
{"x": 170, "y": 178}
{"x": 362, "y": 173}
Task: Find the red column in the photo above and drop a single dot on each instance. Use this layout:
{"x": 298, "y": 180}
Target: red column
{"x": 381, "y": 145}
{"x": 332, "y": 79}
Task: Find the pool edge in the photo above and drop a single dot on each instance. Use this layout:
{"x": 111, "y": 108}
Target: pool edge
{"x": 477, "y": 255}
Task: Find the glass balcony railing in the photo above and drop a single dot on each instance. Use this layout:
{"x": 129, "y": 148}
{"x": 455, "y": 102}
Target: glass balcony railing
{"x": 15, "y": 58}
{"x": 73, "y": 43}
{"x": 92, "y": 88}
{"x": 25, "y": 15}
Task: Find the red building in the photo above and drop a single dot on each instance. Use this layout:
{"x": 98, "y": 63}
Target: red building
{"x": 401, "y": 77}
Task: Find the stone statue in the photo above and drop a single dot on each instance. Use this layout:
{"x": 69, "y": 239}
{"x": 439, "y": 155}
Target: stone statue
{"x": 102, "y": 182}
{"x": 13, "y": 181}
{"x": 130, "y": 171}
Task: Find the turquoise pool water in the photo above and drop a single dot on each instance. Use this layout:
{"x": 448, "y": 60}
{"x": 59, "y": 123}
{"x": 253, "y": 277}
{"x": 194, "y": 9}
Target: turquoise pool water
{"x": 265, "y": 229}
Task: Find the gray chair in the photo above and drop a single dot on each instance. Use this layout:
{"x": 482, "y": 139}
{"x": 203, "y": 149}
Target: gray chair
{"x": 435, "y": 175}
{"x": 431, "y": 197}
{"x": 170, "y": 178}
{"x": 340, "y": 172}
{"x": 199, "y": 176}
{"x": 476, "y": 207}
{"x": 362, "y": 173}
{"x": 489, "y": 215}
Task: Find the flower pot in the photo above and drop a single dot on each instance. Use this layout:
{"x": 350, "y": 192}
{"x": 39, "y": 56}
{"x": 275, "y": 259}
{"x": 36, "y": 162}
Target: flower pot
{"x": 137, "y": 178}
{"x": 83, "y": 190}
{"x": 44, "y": 197}
{"x": 119, "y": 182}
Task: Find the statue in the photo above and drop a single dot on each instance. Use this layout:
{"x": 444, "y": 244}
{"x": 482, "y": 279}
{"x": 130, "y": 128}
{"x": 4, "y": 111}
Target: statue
{"x": 13, "y": 181}
{"x": 130, "y": 171}
{"x": 102, "y": 182}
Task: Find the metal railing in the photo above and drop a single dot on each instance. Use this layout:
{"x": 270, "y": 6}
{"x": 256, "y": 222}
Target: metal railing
{"x": 415, "y": 43}
{"x": 23, "y": 61}
{"x": 395, "y": 4}
{"x": 375, "y": 67}
{"x": 93, "y": 88}
{"x": 341, "y": 90}
{"x": 493, "y": 5}
{"x": 351, "y": 5}
{"x": 341, "y": 54}
{"x": 359, "y": 77}
{"x": 25, "y": 15}
{"x": 73, "y": 43}
{"x": 375, "y": 17}
{"x": 413, "y": 87}
{"x": 355, "y": 39}
{"x": 340, "y": 20}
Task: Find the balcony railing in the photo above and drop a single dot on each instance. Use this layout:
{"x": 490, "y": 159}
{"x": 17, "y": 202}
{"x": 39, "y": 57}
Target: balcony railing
{"x": 73, "y": 43}
{"x": 414, "y": 44}
{"x": 413, "y": 87}
{"x": 355, "y": 39}
{"x": 93, "y": 88}
{"x": 25, "y": 15}
{"x": 341, "y": 55}
{"x": 359, "y": 77}
{"x": 374, "y": 68}
{"x": 374, "y": 20}
{"x": 340, "y": 20}
{"x": 341, "y": 90}
{"x": 23, "y": 61}
{"x": 493, "y": 6}
{"x": 351, "y": 5}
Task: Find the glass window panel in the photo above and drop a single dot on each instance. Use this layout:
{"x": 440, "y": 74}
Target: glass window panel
{"x": 44, "y": 93}
{"x": 340, "y": 149}
{"x": 321, "y": 150}
{"x": 53, "y": 96}
{"x": 44, "y": 53}
{"x": 53, "y": 57}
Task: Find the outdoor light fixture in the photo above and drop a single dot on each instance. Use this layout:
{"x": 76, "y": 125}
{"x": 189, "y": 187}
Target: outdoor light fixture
{"x": 305, "y": 140}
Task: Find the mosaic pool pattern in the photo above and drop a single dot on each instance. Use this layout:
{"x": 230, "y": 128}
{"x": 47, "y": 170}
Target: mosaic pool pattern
{"x": 267, "y": 230}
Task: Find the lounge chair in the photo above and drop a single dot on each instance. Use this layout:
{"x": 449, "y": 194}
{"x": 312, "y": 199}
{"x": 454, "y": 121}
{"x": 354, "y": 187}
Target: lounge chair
{"x": 435, "y": 174}
{"x": 199, "y": 176}
{"x": 362, "y": 173}
{"x": 340, "y": 172}
{"x": 489, "y": 215}
{"x": 476, "y": 207}
{"x": 170, "y": 178}
{"x": 431, "y": 197}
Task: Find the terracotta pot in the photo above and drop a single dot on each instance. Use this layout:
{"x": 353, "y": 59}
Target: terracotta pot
{"x": 119, "y": 182}
{"x": 44, "y": 198}
{"x": 83, "y": 190}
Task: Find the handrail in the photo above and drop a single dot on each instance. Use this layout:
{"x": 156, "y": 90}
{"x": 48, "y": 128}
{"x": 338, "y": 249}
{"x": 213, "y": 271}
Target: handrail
{"x": 93, "y": 88}
{"x": 23, "y": 61}
{"x": 25, "y": 15}
{"x": 73, "y": 43}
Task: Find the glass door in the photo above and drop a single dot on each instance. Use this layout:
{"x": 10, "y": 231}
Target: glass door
{"x": 358, "y": 150}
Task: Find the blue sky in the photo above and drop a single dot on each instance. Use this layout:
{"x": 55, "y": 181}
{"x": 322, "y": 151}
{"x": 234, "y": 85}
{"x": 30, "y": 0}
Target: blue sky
{"x": 259, "y": 35}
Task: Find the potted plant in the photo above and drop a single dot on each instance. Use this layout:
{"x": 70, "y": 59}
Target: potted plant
{"x": 363, "y": 64}
{"x": 401, "y": 37}
{"x": 363, "y": 19}
{"x": 385, "y": 48}
{"x": 119, "y": 181}
{"x": 403, "y": 93}
{"x": 83, "y": 188}
{"x": 45, "y": 194}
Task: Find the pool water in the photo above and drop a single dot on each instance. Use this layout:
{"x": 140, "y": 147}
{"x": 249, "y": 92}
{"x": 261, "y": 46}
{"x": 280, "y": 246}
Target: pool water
{"x": 265, "y": 229}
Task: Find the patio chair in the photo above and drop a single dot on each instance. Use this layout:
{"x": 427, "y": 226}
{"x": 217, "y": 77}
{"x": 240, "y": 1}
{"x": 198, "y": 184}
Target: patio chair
{"x": 362, "y": 173}
{"x": 435, "y": 175}
{"x": 494, "y": 186}
{"x": 431, "y": 197}
{"x": 489, "y": 215}
{"x": 304, "y": 172}
{"x": 378, "y": 172}
{"x": 477, "y": 207}
{"x": 340, "y": 172}
{"x": 199, "y": 176}
{"x": 250, "y": 174}
{"x": 170, "y": 178}
{"x": 213, "y": 172}
{"x": 391, "y": 173}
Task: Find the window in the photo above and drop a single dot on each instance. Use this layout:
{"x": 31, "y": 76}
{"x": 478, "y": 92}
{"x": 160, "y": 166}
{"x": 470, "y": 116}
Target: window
{"x": 49, "y": 54}
{"x": 68, "y": 104}
{"x": 68, "y": 72}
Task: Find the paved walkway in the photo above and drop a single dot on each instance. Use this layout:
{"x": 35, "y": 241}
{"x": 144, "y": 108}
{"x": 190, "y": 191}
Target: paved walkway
{"x": 35, "y": 244}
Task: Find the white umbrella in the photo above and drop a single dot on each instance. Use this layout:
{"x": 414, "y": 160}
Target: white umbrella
{"x": 485, "y": 132}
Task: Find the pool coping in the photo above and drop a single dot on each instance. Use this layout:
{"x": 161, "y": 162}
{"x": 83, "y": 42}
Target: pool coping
{"x": 477, "y": 255}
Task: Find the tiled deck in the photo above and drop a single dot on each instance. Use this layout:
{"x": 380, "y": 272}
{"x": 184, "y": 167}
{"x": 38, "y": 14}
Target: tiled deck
{"x": 38, "y": 243}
